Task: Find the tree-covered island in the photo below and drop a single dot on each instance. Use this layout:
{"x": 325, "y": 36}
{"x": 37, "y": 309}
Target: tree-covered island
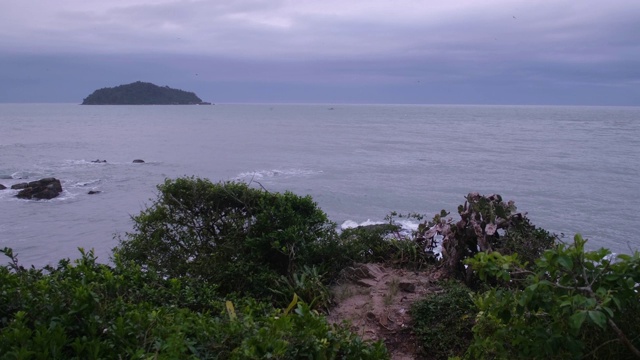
{"x": 142, "y": 93}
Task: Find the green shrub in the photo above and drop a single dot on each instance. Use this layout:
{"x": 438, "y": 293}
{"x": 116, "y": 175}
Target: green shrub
{"x": 86, "y": 310}
{"x": 572, "y": 304}
{"x": 239, "y": 238}
{"x": 383, "y": 243}
{"x": 442, "y": 322}
{"x": 486, "y": 224}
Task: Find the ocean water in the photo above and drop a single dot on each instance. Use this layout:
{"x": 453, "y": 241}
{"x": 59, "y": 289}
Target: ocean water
{"x": 572, "y": 169}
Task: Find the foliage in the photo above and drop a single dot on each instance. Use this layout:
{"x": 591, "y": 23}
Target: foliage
{"x": 240, "y": 238}
{"x": 571, "y": 304}
{"x": 85, "y": 310}
{"x": 442, "y": 322}
{"x": 486, "y": 224}
{"x": 141, "y": 93}
{"x": 384, "y": 243}
{"x": 308, "y": 284}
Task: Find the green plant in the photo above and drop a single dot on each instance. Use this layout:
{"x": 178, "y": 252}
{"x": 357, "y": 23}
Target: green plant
{"x": 571, "y": 304}
{"x": 442, "y": 322}
{"x": 239, "y": 238}
{"x": 486, "y": 224}
{"x": 86, "y": 310}
{"x": 308, "y": 284}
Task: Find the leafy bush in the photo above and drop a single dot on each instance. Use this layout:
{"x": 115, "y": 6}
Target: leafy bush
{"x": 486, "y": 224}
{"x": 442, "y": 322}
{"x": 85, "y": 310}
{"x": 239, "y": 238}
{"x": 571, "y": 304}
{"x": 384, "y": 243}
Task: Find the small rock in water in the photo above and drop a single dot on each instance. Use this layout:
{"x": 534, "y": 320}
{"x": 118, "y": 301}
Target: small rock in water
{"x": 138, "y": 161}
{"x": 98, "y": 161}
{"x": 2, "y": 187}
{"x": 92, "y": 192}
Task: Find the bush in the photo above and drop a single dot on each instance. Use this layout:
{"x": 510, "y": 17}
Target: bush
{"x": 571, "y": 304}
{"x": 383, "y": 243}
{"x": 442, "y": 322}
{"x": 486, "y": 224}
{"x": 85, "y": 310}
{"x": 239, "y": 238}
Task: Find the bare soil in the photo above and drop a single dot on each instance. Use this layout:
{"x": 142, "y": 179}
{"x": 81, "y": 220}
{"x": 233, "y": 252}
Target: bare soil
{"x": 375, "y": 301}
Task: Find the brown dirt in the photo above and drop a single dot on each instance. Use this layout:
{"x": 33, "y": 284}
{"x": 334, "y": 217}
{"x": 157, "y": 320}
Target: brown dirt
{"x": 375, "y": 301}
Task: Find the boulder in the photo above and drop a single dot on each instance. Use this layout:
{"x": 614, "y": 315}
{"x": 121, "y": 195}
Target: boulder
{"x": 2, "y": 187}
{"x": 98, "y": 161}
{"x": 93, "y": 192}
{"x": 138, "y": 161}
{"x": 19, "y": 186}
{"x": 46, "y": 188}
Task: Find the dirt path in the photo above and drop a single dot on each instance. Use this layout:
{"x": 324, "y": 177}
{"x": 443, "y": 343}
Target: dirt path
{"x": 375, "y": 300}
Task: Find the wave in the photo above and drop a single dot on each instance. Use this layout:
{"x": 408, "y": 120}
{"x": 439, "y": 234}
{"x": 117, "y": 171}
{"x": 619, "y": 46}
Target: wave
{"x": 85, "y": 183}
{"x": 286, "y": 173}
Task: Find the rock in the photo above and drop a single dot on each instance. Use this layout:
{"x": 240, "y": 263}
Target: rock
{"x": 46, "y": 188}
{"x": 407, "y": 286}
{"x": 138, "y": 161}
{"x": 2, "y": 187}
{"x": 93, "y": 192}
{"x": 19, "y": 186}
{"x": 98, "y": 161}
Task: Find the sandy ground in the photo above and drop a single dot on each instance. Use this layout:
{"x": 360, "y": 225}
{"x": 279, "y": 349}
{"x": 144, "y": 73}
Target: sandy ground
{"x": 375, "y": 301}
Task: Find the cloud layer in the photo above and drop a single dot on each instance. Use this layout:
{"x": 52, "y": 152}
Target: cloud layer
{"x": 589, "y": 47}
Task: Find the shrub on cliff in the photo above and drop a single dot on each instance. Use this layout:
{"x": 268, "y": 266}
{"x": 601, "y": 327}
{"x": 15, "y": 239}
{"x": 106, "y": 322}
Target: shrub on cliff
{"x": 572, "y": 304}
{"x": 86, "y": 310}
{"x": 240, "y": 238}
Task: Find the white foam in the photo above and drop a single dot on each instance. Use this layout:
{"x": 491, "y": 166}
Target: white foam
{"x": 285, "y": 173}
{"x": 85, "y": 183}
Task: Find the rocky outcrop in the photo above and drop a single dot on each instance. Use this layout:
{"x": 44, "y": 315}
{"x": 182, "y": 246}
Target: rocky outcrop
{"x": 138, "y": 161}
{"x": 98, "y": 161}
{"x": 46, "y": 188}
{"x": 93, "y": 192}
{"x": 2, "y": 187}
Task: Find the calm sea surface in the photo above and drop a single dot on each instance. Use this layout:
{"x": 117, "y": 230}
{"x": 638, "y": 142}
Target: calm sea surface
{"x": 573, "y": 169}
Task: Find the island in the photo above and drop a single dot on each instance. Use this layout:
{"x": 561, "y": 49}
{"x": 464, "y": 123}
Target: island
{"x": 142, "y": 93}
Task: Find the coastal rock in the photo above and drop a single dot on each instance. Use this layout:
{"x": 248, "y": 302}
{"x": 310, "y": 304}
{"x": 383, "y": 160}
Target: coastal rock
{"x": 138, "y": 161}
{"x": 93, "y": 192}
{"x": 46, "y": 188}
{"x": 2, "y": 187}
{"x": 98, "y": 161}
{"x": 19, "y": 186}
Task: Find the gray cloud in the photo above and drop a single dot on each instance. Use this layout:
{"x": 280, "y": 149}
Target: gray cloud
{"x": 392, "y": 47}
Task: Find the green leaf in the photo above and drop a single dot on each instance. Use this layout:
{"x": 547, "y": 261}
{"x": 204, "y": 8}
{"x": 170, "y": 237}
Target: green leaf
{"x": 598, "y": 318}
{"x": 576, "y": 320}
{"x": 565, "y": 262}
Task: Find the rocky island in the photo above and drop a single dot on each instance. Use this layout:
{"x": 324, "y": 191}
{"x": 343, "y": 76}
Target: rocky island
{"x": 142, "y": 93}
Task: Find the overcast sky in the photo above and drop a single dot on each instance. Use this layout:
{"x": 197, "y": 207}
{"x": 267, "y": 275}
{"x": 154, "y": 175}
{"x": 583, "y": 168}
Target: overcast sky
{"x": 575, "y": 52}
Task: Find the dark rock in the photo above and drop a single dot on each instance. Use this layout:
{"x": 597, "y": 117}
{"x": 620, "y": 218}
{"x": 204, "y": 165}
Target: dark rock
{"x": 138, "y": 161}
{"x": 407, "y": 286}
{"x": 46, "y": 188}
{"x": 19, "y": 186}
{"x": 98, "y": 161}
{"x": 92, "y": 192}
{"x": 2, "y": 187}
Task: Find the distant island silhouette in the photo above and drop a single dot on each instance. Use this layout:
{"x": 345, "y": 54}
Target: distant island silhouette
{"x": 142, "y": 93}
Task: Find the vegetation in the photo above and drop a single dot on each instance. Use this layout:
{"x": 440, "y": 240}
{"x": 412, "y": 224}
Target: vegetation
{"x": 443, "y": 321}
{"x": 572, "y": 304}
{"x": 228, "y": 271}
{"x": 141, "y": 93}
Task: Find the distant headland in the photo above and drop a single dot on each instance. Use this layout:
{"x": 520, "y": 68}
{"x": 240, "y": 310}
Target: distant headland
{"x": 142, "y": 93}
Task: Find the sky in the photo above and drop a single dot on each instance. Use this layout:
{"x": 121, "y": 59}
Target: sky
{"x": 542, "y": 52}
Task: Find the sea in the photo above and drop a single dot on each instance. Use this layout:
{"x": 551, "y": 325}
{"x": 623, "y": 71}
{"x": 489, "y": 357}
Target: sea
{"x": 572, "y": 169}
